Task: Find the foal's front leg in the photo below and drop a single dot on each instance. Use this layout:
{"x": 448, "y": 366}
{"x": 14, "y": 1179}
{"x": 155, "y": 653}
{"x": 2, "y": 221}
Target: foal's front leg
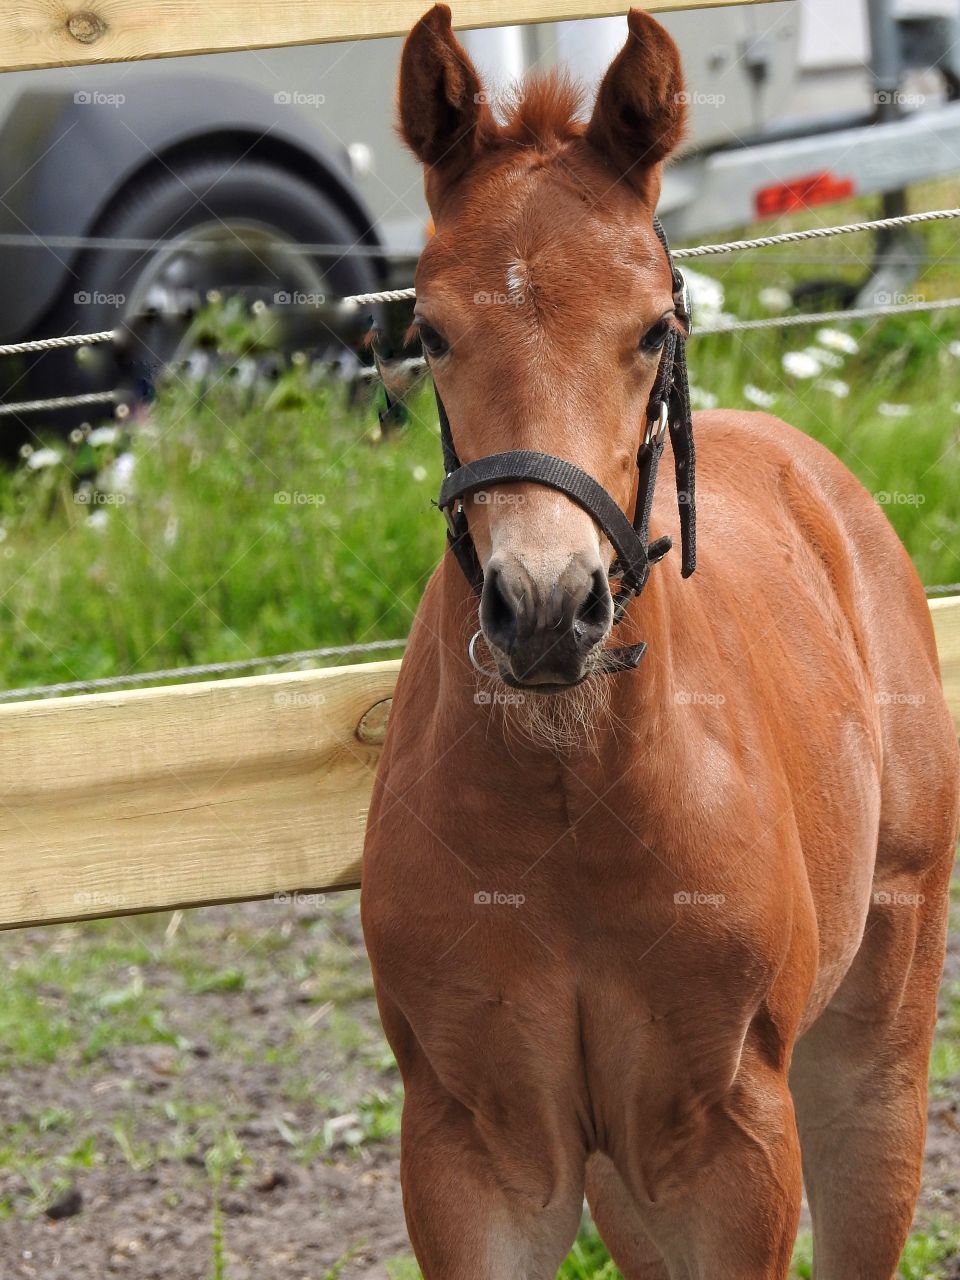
{"x": 724, "y": 1203}
{"x": 482, "y": 1201}
{"x": 492, "y": 1190}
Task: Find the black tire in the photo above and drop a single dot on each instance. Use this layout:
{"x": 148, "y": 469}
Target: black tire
{"x": 164, "y": 203}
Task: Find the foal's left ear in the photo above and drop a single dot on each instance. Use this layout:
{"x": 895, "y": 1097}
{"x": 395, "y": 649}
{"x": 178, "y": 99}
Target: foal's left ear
{"x": 641, "y": 107}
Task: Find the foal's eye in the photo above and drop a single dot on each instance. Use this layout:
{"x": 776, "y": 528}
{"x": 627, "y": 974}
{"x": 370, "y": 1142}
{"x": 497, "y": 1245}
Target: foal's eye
{"x": 434, "y": 343}
{"x": 656, "y": 335}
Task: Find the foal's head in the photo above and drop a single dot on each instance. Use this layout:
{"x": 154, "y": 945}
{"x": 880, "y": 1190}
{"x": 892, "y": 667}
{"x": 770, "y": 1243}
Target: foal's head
{"x": 543, "y": 302}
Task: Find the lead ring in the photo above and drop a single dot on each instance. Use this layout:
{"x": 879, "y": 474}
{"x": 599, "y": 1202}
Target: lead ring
{"x": 472, "y": 654}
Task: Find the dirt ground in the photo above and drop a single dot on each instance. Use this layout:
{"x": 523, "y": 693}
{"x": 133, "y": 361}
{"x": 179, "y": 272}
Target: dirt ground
{"x": 241, "y": 1045}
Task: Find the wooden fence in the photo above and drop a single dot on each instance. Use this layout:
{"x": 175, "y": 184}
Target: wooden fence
{"x": 54, "y": 33}
{"x": 215, "y": 792}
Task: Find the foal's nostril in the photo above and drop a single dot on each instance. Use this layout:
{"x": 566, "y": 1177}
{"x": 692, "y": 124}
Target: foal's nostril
{"x": 545, "y": 628}
{"x": 498, "y": 615}
{"x": 595, "y": 611}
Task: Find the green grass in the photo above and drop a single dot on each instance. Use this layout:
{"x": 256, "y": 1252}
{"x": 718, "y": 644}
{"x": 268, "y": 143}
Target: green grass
{"x": 945, "y": 1058}
{"x": 207, "y": 560}
{"x": 924, "y": 1258}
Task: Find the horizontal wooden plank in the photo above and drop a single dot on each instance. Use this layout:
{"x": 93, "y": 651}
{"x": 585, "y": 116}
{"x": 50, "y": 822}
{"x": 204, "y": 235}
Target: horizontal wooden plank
{"x": 216, "y": 792}
{"x": 54, "y": 33}
{"x": 946, "y": 624}
{"x": 188, "y": 794}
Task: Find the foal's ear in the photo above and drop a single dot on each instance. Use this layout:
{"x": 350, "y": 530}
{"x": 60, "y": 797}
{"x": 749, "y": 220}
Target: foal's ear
{"x": 444, "y": 116}
{"x": 641, "y": 109}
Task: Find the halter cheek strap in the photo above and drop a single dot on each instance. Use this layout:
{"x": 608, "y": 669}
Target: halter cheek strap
{"x": 668, "y": 410}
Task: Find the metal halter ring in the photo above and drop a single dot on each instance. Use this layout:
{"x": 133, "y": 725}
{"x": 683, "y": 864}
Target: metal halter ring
{"x": 657, "y": 429}
{"x": 472, "y": 652}
{"x": 450, "y": 514}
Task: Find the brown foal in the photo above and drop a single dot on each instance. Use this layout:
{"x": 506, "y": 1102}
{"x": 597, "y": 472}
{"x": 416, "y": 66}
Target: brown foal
{"x": 661, "y": 937}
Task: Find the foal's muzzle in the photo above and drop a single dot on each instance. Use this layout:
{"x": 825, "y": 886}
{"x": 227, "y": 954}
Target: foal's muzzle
{"x": 542, "y": 635}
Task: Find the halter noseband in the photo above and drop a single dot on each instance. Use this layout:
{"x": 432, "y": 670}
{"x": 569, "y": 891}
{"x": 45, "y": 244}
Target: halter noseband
{"x": 668, "y": 409}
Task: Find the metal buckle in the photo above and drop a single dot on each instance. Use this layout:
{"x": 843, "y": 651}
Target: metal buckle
{"x": 450, "y": 514}
{"x": 657, "y": 428}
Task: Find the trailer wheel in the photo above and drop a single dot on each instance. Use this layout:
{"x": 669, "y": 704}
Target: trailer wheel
{"x": 211, "y": 223}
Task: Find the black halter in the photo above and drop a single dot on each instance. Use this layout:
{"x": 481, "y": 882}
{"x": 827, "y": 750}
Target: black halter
{"x": 668, "y": 408}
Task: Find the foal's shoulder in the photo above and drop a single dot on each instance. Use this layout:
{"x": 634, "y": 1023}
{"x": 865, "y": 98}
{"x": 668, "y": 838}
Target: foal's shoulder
{"x": 761, "y": 433}
{"x": 737, "y": 442}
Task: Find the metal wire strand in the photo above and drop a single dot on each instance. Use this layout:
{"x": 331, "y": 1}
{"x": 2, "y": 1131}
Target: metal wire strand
{"x": 60, "y": 402}
{"x": 67, "y": 340}
{"x": 106, "y": 683}
{"x": 824, "y": 317}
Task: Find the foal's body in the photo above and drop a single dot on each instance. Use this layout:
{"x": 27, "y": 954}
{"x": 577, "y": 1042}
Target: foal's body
{"x": 733, "y": 897}
{"x": 795, "y": 762}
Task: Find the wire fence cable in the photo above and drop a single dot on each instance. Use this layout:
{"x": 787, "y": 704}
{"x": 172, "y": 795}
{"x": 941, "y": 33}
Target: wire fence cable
{"x": 107, "y": 683}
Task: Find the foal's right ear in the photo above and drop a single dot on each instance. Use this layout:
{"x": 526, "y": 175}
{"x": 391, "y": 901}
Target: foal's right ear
{"x": 444, "y": 116}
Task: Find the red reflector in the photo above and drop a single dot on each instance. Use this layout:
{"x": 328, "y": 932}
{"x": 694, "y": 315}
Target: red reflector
{"x": 818, "y": 188}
